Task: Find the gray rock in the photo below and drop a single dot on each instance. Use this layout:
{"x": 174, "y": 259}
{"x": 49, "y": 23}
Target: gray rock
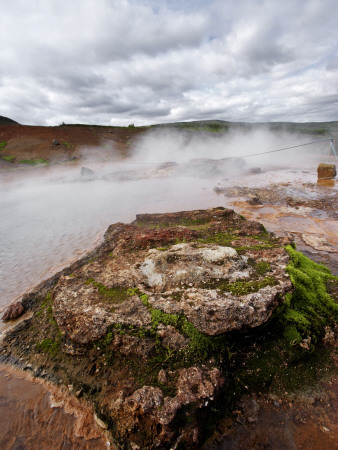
{"x": 87, "y": 173}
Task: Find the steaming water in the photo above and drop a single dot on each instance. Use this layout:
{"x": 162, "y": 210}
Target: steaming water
{"x": 44, "y": 224}
{"x": 48, "y": 219}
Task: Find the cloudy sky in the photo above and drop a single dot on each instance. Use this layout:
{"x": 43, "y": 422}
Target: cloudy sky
{"x": 148, "y": 61}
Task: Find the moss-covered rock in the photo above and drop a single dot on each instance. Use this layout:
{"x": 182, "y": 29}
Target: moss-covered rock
{"x": 172, "y": 314}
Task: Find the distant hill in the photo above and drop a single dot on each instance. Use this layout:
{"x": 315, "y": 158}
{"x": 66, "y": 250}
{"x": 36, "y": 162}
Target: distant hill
{"x": 321, "y": 129}
{"x": 6, "y": 121}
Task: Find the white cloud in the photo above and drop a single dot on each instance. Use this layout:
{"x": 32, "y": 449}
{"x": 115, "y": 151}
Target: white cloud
{"x": 147, "y": 62}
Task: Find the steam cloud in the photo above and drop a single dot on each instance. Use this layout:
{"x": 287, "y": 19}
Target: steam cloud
{"x": 48, "y": 215}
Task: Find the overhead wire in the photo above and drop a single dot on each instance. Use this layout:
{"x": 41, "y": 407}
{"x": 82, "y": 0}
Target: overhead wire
{"x": 249, "y": 155}
{"x": 286, "y": 148}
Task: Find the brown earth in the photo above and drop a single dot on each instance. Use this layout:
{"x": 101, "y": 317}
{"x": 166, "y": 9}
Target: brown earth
{"x": 35, "y": 142}
{"x": 302, "y": 421}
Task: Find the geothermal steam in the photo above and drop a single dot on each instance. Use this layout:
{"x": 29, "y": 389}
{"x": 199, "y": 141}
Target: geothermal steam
{"x": 48, "y": 217}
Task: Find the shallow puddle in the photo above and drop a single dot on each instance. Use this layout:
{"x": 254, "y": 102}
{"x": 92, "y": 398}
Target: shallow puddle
{"x": 28, "y": 420}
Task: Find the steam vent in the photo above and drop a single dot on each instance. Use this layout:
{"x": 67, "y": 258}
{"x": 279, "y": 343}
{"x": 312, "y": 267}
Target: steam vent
{"x": 167, "y": 319}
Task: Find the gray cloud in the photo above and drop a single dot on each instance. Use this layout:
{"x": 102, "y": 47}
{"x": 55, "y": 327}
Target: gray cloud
{"x": 145, "y": 61}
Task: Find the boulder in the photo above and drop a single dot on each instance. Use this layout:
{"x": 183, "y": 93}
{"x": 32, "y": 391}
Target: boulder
{"x": 140, "y": 325}
{"x": 87, "y": 173}
{"x": 13, "y": 311}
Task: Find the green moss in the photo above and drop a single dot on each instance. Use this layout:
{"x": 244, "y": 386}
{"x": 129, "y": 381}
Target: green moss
{"x": 68, "y": 145}
{"x": 2, "y": 145}
{"x": 47, "y": 302}
{"x": 310, "y": 308}
{"x": 264, "y": 230}
{"x": 272, "y": 366}
{"x": 107, "y": 339}
{"x": 158, "y": 316}
{"x": 112, "y": 295}
{"x": 200, "y": 345}
{"x": 240, "y": 287}
{"x": 51, "y": 316}
{"x": 50, "y": 346}
{"x": 219, "y": 238}
{"x": 292, "y": 335}
{"x": 262, "y": 267}
{"x": 34, "y": 162}
{"x": 194, "y": 222}
{"x": 276, "y": 360}
{"x": 9, "y": 158}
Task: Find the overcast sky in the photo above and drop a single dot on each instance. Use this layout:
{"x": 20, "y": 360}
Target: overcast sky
{"x": 122, "y": 61}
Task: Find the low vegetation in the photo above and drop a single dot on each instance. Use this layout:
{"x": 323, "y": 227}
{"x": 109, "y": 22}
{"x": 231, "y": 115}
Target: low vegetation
{"x": 51, "y": 345}
{"x": 9, "y": 158}
{"x": 34, "y": 162}
{"x": 112, "y": 295}
{"x": 310, "y": 307}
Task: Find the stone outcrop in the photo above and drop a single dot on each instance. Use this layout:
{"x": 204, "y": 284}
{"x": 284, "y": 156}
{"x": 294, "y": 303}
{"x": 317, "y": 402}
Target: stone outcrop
{"x": 13, "y": 311}
{"x": 138, "y": 324}
{"x": 183, "y": 279}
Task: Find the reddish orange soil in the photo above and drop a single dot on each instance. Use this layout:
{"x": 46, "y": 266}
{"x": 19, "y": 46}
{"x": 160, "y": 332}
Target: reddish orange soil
{"x": 33, "y": 142}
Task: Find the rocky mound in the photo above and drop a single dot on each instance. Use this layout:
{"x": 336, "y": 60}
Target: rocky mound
{"x": 145, "y": 325}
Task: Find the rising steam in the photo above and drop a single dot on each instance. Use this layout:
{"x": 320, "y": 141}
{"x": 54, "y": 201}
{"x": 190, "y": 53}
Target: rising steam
{"x": 49, "y": 214}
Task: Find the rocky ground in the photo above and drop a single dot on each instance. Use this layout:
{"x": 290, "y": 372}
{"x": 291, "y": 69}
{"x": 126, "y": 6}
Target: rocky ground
{"x": 303, "y": 210}
{"x": 172, "y": 319}
{"x": 288, "y": 421}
